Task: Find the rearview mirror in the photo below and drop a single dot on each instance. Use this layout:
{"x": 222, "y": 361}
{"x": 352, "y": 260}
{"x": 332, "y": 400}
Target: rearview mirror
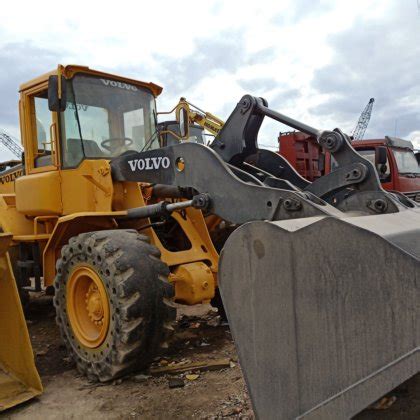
{"x": 182, "y": 118}
{"x": 55, "y": 103}
{"x": 380, "y": 155}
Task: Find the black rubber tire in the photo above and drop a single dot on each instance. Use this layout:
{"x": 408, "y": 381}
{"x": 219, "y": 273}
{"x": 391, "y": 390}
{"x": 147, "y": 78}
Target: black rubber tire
{"x": 139, "y": 293}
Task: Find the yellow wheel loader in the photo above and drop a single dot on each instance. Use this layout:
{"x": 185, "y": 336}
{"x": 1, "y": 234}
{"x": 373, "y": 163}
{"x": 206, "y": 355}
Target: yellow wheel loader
{"x": 319, "y": 281}
{"x": 19, "y": 380}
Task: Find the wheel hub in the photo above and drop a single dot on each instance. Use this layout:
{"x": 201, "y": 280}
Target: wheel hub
{"x": 87, "y": 306}
{"x": 94, "y": 305}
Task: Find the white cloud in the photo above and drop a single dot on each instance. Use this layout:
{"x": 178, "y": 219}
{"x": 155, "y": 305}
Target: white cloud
{"x": 283, "y": 41}
{"x": 415, "y": 138}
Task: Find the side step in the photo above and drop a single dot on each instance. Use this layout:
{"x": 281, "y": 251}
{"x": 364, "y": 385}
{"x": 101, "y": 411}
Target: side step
{"x": 324, "y": 312}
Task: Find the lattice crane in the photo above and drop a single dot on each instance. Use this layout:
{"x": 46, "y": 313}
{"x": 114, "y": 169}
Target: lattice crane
{"x": 7, "y": 141}
{"x": 359, "y": 130}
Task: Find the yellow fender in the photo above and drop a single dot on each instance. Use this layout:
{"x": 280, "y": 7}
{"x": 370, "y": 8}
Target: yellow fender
{"x": 19, "y": 379}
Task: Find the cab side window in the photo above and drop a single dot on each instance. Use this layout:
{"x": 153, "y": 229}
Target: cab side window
{"x": 384, "y": 171}
{"x": 43, "y": 121}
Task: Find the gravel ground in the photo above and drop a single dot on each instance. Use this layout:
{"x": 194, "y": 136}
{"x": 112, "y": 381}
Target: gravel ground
{"x": 206, "y": 395}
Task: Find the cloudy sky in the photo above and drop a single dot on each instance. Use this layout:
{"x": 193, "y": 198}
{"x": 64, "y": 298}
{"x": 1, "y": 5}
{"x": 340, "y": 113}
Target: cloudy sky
{"x": 318, "y": 61}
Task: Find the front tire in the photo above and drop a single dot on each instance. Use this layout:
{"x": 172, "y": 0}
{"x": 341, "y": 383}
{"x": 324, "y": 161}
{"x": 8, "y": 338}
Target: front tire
{"x": 113, "y": 302}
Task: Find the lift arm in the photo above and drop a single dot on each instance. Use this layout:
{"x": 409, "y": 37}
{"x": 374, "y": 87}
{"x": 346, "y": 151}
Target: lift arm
{"x": 208, "y": 170}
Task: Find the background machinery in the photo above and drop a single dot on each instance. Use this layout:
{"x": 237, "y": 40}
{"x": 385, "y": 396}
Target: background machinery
{"x": 10, "y": 169}
{"x": 359, "y": 131}
{"x": 394, "y": 160}
{"x": 118, "y": 223}
{"x": 10, "y": 144}
{"x": 204, "y": 119}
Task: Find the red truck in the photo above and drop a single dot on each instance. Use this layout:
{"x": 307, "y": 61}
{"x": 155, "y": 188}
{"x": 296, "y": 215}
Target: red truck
{"x": 394, "y": 158}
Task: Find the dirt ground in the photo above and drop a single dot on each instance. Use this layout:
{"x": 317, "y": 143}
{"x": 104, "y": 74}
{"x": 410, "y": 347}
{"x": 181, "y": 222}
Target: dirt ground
{"x": 210, "y": 395}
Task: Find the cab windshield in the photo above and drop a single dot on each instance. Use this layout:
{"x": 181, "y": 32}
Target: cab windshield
{"x": 105, "y": 118}
{"x": 406, "y": 162}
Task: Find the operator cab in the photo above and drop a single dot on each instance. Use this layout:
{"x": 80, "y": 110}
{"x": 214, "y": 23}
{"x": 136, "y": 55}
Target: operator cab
{"x": 105, "y": 118}
{"x": 403, "y": 151}
{"x": 75, "y": 113}
{"x": 392, "y": 157}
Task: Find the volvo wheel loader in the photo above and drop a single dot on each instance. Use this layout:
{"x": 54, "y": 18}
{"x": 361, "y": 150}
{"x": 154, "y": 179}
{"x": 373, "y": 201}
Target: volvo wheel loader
{"x": 320, "y": 281}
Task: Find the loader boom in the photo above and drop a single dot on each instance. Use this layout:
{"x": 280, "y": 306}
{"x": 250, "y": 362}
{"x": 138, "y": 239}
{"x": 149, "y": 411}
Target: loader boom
{"x": 188, "y": 165}
{"x": 237, "y": 141}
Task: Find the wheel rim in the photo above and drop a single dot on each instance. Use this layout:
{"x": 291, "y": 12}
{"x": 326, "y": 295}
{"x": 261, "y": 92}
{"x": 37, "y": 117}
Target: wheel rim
{"x": 87, "y": 307}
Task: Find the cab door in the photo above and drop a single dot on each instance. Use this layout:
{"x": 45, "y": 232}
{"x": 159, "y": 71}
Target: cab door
{"x": 38, "y": 193}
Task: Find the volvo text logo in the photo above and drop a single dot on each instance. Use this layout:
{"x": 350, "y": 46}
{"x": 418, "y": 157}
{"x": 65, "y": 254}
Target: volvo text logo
{"x": 120, "y": 85}
{"x": 149, "y": 163}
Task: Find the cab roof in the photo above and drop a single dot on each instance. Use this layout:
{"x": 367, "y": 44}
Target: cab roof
{"x": 70, "y": 70}
{"x": 387, "y": 141}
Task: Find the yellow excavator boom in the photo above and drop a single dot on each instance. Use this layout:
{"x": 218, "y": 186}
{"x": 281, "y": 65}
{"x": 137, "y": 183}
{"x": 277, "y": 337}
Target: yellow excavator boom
{"x": 196, "y": 115}
{"x": 19, "y": 379}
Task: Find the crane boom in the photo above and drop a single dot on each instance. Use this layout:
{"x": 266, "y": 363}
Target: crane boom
{"x": 359, "y": 130}
{"x": 10, "y": 144}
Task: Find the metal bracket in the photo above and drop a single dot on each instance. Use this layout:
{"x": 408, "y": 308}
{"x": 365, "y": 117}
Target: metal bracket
{"x": 232, "y": 199}
{"x": 341, "y": 178}
{"x": 237, "y": 144}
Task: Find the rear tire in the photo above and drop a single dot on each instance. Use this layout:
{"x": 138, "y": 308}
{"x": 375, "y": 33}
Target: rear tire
{"x": 113, "y": 302}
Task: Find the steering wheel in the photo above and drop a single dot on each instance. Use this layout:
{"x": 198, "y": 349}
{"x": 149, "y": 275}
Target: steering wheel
{"x": 107, "y": 144}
